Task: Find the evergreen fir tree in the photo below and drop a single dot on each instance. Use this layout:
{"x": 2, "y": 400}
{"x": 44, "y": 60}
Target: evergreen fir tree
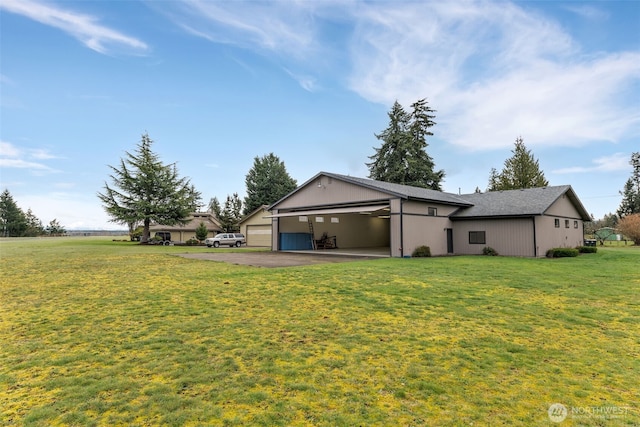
{"x": 521, "y": 170}
{"x": 402, "y": 157}
{"x": 13, "y": 222}
{"x": 267, "y": 182}
{"x": 145, "y": 190}
{"x": 631, "y": 193}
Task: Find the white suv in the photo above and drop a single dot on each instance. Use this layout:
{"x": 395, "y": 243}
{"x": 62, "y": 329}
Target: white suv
{"x": 229, "y": 239}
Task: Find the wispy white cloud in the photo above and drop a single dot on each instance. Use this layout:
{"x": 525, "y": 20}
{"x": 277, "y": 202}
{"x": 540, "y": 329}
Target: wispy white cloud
{"x": 275, "y": 26}
{"x": 14, "y": 157}
{"x": 9, "y": 150}
{"x": 23, "y": 164}
{"x": 83, "y": 27}
{"x": 307, "y": 82}
{"x": 290, "y": 32}
{"x": 587, "y": 11}
{"x": 494, "y": 71}
{"x": 42, "y": 154}
{"x": 614, "y": 163}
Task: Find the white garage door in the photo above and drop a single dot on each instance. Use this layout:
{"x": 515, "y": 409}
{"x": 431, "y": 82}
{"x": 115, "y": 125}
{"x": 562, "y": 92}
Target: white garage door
{"x": 259, "y": 235}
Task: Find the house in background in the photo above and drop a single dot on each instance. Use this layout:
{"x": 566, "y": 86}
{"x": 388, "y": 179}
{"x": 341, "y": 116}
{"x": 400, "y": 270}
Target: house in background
{"x": 182, "y": 233}
{"x": 256, "y": 227}
{"x": 364, "y": 213}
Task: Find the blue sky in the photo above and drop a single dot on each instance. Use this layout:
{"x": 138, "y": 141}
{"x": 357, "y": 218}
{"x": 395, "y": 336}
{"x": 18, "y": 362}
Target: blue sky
{"x": 216, "y": 84}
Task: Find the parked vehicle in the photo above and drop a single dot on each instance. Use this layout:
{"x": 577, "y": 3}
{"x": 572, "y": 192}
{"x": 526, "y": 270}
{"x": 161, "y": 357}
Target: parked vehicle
{"x": 226, "y": 239}
{"x": 162, "y": 238}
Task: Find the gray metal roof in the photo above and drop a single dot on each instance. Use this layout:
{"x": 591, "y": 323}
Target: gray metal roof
{"x": 404, "y": 191}
{"x": 510, "y": 203}
{"x": 525, "y": 202}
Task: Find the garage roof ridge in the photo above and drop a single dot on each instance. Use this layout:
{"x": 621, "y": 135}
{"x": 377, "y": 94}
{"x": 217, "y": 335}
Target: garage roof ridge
{"x": 519, "y": 202}
{"x": 401, "y": 190}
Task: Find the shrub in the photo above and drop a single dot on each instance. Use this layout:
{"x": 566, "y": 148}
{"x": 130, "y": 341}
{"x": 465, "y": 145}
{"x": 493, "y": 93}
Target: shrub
{"x": 192, "y": 242}
{"x": 562, "y": 252}
{"x": 587, "y": 249}
{"x": 202, "y": 232}
{"x": 488, "y": 250}
{"x": 630, "y": 227}
{"x": 421, "y": 252}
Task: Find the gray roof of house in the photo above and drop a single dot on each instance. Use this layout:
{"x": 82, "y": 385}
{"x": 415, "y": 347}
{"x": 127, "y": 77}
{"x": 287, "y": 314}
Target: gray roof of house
{"x": 404, "y": 191}
{"x": 525, "y": 202}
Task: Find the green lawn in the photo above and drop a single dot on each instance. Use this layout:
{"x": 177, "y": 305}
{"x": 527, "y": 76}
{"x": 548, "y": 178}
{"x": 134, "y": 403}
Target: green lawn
{"x": 95, "y": 332}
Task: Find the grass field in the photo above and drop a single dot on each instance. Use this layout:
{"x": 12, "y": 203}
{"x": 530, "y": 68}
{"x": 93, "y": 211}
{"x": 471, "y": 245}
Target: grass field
{"x": 95, "y": 332}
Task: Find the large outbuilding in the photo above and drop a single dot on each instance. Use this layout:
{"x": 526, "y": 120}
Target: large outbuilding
{"x": 338, "y": 211}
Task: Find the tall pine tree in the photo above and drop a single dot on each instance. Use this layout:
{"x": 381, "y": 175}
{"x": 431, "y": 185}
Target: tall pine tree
{"x": 402, "y": 157}
{"x": 631, "y": 194}
{"x": 267, "y": 182}
{"x": 13, "y": 222}
{"x": 145, "y": 190}
{"x": 230, "y": 215}
{"x": 521, "y": 170}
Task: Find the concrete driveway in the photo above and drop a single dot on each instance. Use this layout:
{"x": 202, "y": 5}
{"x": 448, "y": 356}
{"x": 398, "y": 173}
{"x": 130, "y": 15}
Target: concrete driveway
{"x": 275, "y": 259}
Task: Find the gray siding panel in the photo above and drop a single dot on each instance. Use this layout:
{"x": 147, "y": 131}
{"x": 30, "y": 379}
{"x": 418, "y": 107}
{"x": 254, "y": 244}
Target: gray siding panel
{"x": 422, "y": 208}
{"x": 420, "y": 228}
{"x": 512, "y": 236}
{"x": 428, "y": 231}
{"x": 395, "y": 225}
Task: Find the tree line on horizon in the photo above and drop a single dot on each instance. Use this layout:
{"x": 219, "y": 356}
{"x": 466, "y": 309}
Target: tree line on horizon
{"x": 14, "y": 222}
{"x": 144, "y": 190}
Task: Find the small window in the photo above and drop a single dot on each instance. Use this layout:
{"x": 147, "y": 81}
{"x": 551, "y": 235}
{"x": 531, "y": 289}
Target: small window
{"x": 566, "y": 223}
{"x": 575, "y": 224}
{"x": 432, "y": 211}
{"x": 557, "y": 222}
{"x": 477, "y": 238}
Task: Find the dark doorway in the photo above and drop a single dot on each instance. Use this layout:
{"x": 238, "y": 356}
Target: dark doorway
{"x": 449, "y": 240}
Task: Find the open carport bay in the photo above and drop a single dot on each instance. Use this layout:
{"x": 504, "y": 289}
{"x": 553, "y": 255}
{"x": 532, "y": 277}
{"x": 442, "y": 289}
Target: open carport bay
{"x": 350, "y": 230}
